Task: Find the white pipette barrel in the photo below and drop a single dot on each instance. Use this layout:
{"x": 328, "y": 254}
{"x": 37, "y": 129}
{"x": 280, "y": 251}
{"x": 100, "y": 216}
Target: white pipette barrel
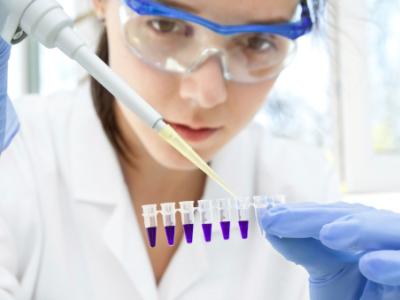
{"x": 46, "y": 21}
{"x": 102, "y": 73}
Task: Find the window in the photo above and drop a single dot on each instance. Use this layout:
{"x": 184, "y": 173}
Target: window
{"x": 369, "y": 96}
{"x": 34, "y": 68}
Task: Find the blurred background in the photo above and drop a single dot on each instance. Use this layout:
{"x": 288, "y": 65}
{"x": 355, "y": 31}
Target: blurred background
{"x": 341, "y": 92}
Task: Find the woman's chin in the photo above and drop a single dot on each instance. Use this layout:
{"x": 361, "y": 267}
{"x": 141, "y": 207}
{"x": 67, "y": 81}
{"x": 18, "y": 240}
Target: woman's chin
{"x": 172, "y": 159}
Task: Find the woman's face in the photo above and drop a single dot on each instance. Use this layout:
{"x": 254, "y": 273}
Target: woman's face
{"x": 204, "y": 108}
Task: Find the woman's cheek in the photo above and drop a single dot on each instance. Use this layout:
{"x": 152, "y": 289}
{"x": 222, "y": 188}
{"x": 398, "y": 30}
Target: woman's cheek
{"x": 247, "y": 101}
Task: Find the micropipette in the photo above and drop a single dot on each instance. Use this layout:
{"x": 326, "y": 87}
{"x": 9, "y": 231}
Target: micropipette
{"x": 46, "y": 21}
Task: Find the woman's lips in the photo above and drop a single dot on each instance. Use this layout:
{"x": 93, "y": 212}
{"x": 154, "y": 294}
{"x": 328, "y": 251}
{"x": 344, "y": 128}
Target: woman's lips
{"x": 193, "y": 134}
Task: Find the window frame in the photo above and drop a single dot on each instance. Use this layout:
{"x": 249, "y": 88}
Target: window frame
{"x": 363, "y": 169}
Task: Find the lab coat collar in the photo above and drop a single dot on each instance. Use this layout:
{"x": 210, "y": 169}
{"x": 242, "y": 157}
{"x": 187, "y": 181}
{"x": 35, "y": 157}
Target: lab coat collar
{"x": 188, "y": 265}
{"x": 236, "y": 165}
{"x": 123, "y": 237}
{"x": 97, "y": 179}
{"x": 96, "y": 174}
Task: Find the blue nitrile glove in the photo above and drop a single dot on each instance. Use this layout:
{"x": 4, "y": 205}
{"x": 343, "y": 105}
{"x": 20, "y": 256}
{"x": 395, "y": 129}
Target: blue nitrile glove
{"x": 338, "y": 244}
{"x": 294, "y": 230}
{"x": 375, "y": 233}
{"x": 8, "y": 119}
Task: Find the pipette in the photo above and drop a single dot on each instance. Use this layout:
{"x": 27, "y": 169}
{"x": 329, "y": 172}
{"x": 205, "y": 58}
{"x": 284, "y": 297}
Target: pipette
{"x": 46, "y": 21}
{"x": 224, "y": 211}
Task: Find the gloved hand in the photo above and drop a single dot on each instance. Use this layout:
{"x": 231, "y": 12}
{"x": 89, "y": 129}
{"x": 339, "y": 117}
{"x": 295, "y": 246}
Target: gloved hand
{"x": 340, "y": 246}
{"x": 8, "y": 119}
{"x": 376, "y": 234}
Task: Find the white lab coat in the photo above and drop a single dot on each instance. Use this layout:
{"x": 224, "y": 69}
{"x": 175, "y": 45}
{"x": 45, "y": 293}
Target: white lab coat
{"x": 68, "y": 231}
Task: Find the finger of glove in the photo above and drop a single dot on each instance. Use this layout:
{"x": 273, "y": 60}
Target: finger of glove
{"x": 303, "y": 220}
{"x": 374, "y": 291}
{"x": 4, "y": 52}
{"x": 382, "y": 267}
{"x": 4, "y": 56}
{"x": 3, "y": 44}
{"x": 9, "y": 124}
{"x": 366, "y": 231}
{"x": 8, "y": 120}
{"x": 320, "y": 262}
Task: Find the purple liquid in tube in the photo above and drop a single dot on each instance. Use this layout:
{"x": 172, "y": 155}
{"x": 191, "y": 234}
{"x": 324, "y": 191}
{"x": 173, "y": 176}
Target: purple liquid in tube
{"x": 188, "y": 229}
{"x": 207, "y": 231}
{"x": 244, "y": 228}
{"x": 170, "y": 233}
{"x": 225, "y": 226}
{"x": 151, "y": 236}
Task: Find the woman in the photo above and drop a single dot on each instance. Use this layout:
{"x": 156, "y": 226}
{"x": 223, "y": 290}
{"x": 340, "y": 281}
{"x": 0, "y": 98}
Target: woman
{"x": 74, "y": 180}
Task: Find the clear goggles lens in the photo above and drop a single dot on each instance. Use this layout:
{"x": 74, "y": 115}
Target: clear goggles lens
{"x": 181, "y": 47}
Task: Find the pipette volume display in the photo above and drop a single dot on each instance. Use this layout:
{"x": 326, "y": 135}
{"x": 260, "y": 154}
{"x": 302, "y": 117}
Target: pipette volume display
{"x": 207, "y": 212}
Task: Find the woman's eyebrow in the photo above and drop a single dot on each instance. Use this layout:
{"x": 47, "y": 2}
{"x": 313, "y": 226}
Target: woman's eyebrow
{"x": 179, "y": 5}
{"x": 193, "y": 10}
{"x": 269, "y": 21}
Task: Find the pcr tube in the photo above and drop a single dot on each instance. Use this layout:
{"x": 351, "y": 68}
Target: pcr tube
{"x": 150, "y": 223}
{"x": 187, "y": 215}
{"x": 243, "y": 213}
{"x": 224, "y": 214}
{"x": 277, "y": 199}
{"x": 266, "y": 202}
{"x": 206, "y": 217}
{"x": 168, "y": 215}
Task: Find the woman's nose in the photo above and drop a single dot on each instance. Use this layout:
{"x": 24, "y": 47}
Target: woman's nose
{"x": 206, "y": 86}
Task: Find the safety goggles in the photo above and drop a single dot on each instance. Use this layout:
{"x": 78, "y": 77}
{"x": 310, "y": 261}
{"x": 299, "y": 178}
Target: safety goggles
{"x": 177, "y": 41}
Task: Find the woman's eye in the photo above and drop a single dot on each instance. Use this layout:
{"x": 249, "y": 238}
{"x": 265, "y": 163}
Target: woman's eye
{"x": 259, "y": 44}
{"x": 167, "y": 26}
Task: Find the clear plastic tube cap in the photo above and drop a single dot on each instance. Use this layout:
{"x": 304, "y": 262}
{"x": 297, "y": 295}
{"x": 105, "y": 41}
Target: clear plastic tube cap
{"x": 206, "y": 211}
{"x": 168, "y": 213}
{"x": 224, "y": 208}
{"x": 187, "y": 212}
{"x": 150, "y": 215}
{"x": 242, "y": 205}
{"x": 266, "y": 202}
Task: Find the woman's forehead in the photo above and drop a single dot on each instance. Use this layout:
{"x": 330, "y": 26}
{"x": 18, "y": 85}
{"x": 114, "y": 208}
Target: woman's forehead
{"x": 238, "y": 11}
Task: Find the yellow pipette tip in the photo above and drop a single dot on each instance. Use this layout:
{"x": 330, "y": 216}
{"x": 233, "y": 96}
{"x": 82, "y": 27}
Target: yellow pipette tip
{"x": 172, "y": 137}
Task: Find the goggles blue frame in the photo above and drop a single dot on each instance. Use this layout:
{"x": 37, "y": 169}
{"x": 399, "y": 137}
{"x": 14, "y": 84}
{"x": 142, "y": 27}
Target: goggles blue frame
{"x": 290, "y": 30}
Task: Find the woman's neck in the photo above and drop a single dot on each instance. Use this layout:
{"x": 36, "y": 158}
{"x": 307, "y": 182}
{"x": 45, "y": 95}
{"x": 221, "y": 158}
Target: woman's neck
{"x": 151, "y": 183}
